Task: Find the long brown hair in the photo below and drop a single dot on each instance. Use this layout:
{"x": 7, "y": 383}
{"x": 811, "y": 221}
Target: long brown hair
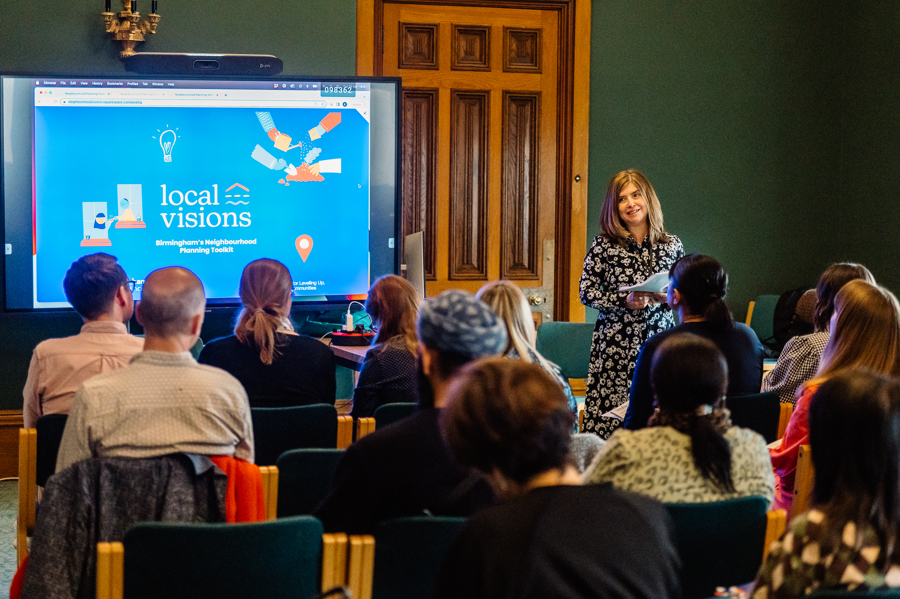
{"x": 393, "y": 305}
{"x": 265, "y": 291}
{"x": 833, "y": 280}
{"x": 866, "y": 333}
{"x": 611, "y": 223}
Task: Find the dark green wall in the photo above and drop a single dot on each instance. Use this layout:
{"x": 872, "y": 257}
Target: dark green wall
{"x": 731, "y": 109}
{"x": 67, "y": 37}
{"x": 866, "y": 217}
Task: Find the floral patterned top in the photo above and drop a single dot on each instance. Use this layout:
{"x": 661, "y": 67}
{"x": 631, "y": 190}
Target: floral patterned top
{"x": 620, "y": 331}
{"x": 799, "y": 563}
{"x": 658, "y": 462}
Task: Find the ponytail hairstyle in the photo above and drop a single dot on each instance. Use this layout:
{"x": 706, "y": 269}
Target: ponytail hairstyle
{"x": 393, "y": 305}
{"x": 266, "y": 287}
{"x": 702, "y": 282}
{"x": 689, "y": 377}
{"x": 510, "y": 305}
{"x": 833, "y": 280}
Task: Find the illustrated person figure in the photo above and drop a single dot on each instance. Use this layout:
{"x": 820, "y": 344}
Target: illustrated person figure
{"x": 633, "y": 245}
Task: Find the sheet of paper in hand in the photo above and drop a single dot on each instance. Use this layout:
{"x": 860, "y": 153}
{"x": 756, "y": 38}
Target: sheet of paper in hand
{"x": 655, "y": 284}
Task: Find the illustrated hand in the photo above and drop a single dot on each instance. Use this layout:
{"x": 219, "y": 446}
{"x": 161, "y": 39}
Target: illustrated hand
{"x": 273, "y": 133}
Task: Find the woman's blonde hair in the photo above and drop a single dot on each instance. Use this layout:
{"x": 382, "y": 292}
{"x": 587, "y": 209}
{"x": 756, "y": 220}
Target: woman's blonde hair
{"x": 866, "y": 333}
{"x": 610, "y": 222}
{"x": 509, "y": 304}
{"x": 393, "y": 305}
{"x": 266, "y": 287}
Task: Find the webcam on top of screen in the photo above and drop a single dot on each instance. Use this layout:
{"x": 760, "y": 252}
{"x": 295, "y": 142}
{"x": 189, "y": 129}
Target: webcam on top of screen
{"x": 204, "y": 65}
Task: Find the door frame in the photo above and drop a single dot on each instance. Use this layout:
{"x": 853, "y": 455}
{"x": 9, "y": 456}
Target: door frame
{"x": 573, "y": 118}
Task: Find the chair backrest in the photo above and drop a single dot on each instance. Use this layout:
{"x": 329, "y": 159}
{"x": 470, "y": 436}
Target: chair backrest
{"x": 276, "y": 560}
{"x": 760, "y": 412}
{"x": 763, "y": 316}
{"x": 409, "y": 553}
{"x": 721, "y": 543}
{"x": 276, "y": 430}
{"x": 49, "y": 435}
{"x": 390, "y": 413}
{"x": 568, "y": 345}
{"x": 304, "y": 479}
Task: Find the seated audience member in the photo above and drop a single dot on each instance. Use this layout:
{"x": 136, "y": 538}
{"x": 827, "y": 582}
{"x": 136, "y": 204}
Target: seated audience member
{"x": 276, "y": 366}
{"x": 850, "y": 539}
{"x": 100, "y": 292}
{"x": 405, "y": 469}
{"x": 388, "y": 373}
{"x": 508, "y": 302}
{"x": 800, "y": 357}
{"x": 163, "y": 401}
{"x": 865, "y": 332}
{"x": 690, "y": 453}
{"x": 696, "y": 292}
{"x": 551, "y": 537}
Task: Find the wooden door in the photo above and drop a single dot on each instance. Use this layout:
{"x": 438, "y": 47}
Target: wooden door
{"x": 479, "y": 110}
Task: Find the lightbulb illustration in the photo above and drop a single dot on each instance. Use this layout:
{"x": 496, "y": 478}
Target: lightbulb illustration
{"x": 167, "y": 142}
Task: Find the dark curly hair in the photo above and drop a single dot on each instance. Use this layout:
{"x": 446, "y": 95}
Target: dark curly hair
{"x": 91, "y": 284}
{"x": 509, "y": 415}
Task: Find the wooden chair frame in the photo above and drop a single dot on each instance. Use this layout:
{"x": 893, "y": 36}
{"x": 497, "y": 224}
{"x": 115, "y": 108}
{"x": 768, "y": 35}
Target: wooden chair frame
{"x": 749, "y": 313}
{"x": 345, "y": 432}
{"x": 111, "y": 566}
{"x": 787, "y": 409}
{"x": 776, "y": 522}
{"x": 269, "y": 476}
{"x": 804, "y": 478}
{"x": 364, "y": 426}
{"x": 27, "y": 491}
{"x": 361, "y": 566}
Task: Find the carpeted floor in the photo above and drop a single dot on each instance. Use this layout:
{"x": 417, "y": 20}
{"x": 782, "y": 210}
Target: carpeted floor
{"x": 9, "y": 499}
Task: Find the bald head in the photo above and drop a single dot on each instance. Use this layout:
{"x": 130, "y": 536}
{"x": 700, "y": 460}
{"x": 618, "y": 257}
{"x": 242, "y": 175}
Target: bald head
{"x": 170, "y": 300}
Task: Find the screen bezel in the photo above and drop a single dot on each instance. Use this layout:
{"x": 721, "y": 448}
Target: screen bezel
{"x": 224, "y": 304}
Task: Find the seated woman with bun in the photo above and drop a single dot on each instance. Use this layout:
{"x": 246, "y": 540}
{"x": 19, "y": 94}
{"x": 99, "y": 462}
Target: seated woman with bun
{"x": 850, "y": 539}
{"x": 509, "y": 303}
{"x": 277, "y": 367}
{"x": 388, "y": 373}
{"x": 800, "y": 357}
{"x": 865, "y": 332}
{"x": 690, "y": 453}
{"x": 551, "y": 537}
{"x": 696, "y": 292}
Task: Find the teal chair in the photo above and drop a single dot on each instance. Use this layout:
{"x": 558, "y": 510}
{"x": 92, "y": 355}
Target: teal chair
{"x": 276, "y": 430}
{"x": 568, "y": 345}
{"x": 409, "y": 553}
{"x": 276, "y": 560}
{"x": 304, "y": 479}
{"x": 390, "y": 413}
{"x": 762, "y": 317}
{"x": 757, "y": 411}
{"x": 720, "y": 543}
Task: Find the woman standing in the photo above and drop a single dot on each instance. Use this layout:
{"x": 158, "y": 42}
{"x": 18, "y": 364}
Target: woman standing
{"x": 632, "y": 247}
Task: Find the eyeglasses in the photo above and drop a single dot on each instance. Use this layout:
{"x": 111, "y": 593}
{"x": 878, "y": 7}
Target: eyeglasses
{"x": 131, "y": 284}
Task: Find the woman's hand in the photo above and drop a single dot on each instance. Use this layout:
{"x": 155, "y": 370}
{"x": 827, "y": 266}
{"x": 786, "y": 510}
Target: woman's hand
{"x": 638, "y": 300}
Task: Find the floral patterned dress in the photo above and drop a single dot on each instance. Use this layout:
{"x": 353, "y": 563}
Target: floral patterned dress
{"x": 620, "y": 331}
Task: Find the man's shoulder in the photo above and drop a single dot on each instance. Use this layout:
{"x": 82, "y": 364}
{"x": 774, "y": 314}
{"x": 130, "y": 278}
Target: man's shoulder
{"x": 144, "y": 370}
{"x": 79, "y": 343}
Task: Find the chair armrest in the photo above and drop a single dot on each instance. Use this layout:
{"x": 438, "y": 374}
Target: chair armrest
{"x": 776, "y": 521}
{"x": 27, "y": 490}
{"x": 334, "y": 560}
{"x": 784, "y": 417}
{"x": 803, "y": 482}
{"x": 364, "y": 426}
{"x": 110, "y": 570}
{"x": 269, "y": 476}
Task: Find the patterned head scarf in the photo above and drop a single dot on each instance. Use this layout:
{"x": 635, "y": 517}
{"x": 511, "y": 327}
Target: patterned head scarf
{"x": 455, "y": 321}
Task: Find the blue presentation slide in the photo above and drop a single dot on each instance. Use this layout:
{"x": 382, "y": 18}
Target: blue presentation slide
{"x": 209, "y": 189}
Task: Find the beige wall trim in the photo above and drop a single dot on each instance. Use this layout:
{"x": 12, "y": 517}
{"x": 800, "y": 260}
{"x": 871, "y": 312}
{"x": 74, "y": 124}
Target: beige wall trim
{"x": 580, "y": 145}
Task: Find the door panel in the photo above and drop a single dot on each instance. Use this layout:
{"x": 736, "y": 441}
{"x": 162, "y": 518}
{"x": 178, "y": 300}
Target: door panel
{"x": 485, "y": 79}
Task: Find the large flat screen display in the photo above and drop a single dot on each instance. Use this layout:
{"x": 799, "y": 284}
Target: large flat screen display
{"x": 199, "y": 173}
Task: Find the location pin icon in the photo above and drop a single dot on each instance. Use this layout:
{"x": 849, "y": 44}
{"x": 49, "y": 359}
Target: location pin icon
{"x": 304, "y": 245}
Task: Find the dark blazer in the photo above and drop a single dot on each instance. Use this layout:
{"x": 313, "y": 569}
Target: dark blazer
{"x": 301, "y": 374}
{"x": 743, "y": 353}
{"x": 401, "y": 470}
{"x": 565, "y": 541}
